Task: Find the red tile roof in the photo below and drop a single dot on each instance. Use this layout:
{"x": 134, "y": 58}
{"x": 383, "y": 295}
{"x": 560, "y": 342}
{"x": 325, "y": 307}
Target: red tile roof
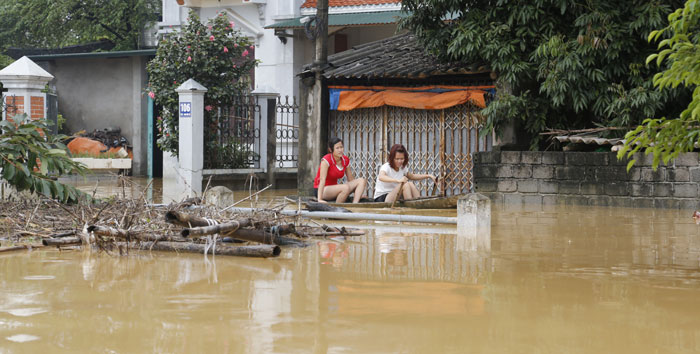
{"x": 335, "y": 3}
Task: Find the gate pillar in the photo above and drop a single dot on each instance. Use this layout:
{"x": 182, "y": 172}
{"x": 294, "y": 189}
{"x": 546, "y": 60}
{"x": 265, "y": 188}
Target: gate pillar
{"x": 25, "y": 82}
{"x": 191, "y": 138}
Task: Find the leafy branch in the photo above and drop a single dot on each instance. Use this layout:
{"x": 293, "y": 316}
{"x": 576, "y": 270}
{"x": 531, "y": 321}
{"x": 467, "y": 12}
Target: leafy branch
{"x": 31, "y": 159}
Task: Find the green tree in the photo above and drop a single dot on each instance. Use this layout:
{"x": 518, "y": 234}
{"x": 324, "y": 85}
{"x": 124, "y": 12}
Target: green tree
{"x": 215, "y": 55}
{"x": 58, "y": 23}
{"x": 679, "y": 53}
{"x": 560, "y": 63}
{"x": 31, "y": 158}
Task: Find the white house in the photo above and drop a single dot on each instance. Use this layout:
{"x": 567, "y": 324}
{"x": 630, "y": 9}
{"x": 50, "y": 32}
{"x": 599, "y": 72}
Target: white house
{"x": 277, "y": 28}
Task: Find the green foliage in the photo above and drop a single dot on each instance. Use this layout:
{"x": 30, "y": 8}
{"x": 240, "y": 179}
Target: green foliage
{"x": 30, "y": 158}
{"x": 228, "y": 154}
{"x": 216, "y": 56}
{"x": 679, "y": 50}
{"x": 5, "y": 61}
{"x": 560, "y": 64}
{"x": 51, "y": 23}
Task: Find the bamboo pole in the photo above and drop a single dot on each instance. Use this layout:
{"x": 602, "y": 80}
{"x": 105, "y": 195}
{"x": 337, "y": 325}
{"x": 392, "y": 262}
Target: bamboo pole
{"x": 263, "y": 251}
{"x": 18, "y": 248}
{"x": 246, "y": 198}
{"x": 186, "y": 220}
{"x": 253, "y": 235}
{"x": 213, "y": 229}
{"x": 205, "y": 227}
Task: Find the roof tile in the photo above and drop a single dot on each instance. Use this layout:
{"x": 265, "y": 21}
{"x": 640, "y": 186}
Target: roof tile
{"x": 400, "y": 56}
{"x": 336, "y": 3}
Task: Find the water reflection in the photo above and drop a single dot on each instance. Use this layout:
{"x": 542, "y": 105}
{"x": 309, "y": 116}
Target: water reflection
{"x": 573, "y": 280}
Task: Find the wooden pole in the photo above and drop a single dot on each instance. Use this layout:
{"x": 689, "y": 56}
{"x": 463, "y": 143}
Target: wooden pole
{"x": 443, "y": 168}
{"x": 398, "y": 195}
{"x": 246, "y": 198}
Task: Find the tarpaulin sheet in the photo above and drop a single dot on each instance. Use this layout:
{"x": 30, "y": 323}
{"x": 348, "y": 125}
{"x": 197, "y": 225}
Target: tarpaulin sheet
{"x": 346, "y": 98}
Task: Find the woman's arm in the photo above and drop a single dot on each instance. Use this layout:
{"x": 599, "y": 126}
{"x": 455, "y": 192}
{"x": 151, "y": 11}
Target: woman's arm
{"x": 384, "y": 178}
{"x": 416, "y": 177}
{"x": 348, "y": 172}
{"x": 322, "y": 180}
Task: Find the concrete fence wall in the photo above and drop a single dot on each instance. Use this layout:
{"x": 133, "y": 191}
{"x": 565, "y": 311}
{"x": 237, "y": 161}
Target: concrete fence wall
{"x": 586, "y": 178}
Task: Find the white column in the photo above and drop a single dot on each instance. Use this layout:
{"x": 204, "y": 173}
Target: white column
{"x": 191, "y": 138}
{"x": 266, "y": 99}
{"x": 474, "y": 222}
{"x": 25, "y": 80}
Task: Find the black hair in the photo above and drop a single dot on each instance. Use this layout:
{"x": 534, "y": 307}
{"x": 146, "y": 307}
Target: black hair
{"x": 332, "y": 142}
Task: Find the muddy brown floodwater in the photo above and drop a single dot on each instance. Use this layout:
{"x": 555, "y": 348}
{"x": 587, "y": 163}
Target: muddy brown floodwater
{"x": 559, "y": 280}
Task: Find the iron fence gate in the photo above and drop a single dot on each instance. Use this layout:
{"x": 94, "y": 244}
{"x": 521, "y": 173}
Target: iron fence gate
{"x": 52, "y": 111}
{"x": 439, "y": 142}
{"x": 232, "y": 136}
{"x": 287, "y": 132}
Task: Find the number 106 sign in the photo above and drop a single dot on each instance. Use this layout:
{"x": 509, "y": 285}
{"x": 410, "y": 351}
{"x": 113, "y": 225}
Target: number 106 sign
{"x": 185, "y": 109}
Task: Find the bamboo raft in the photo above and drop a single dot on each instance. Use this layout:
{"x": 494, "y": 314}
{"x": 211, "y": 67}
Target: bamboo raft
{"x": 418, "y": 203}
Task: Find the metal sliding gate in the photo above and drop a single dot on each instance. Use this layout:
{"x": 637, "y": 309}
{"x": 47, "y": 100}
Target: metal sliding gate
{"x": 439, "y": 142}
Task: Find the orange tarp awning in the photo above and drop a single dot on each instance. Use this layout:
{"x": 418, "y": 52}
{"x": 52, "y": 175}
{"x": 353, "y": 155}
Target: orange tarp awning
{"x": 346, "y": 98}
{"x": 350, "y": 100}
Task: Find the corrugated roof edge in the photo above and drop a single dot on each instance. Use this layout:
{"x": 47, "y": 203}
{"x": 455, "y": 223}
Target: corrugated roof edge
{"x": 114, "y": 54}
{"x": 392, "y": 15}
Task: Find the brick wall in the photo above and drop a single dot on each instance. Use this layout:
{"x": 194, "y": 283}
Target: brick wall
{"x": 15, "y": 105}
{"x": 586, "y": 178}
{"x": 37, "y": 107}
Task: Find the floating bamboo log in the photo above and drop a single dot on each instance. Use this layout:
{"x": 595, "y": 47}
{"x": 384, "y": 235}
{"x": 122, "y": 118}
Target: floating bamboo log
{"x": 63, "y": 234}
{"x": 200, "y": 227}
{"x": 63, "y": 241}
{"x": 226, "y": 228}
{"x": 18, "y": 248}
{"x": 253, "y": 235}
{"x": 129, "y": 234}
{"x": 264, "y": 251}
{"x": 284, "y": 229}
{"x": 187, "y": 220}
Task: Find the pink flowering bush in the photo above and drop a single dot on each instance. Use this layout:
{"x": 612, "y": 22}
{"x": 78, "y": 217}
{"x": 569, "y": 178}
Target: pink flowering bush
{"x": 211, "y": 54}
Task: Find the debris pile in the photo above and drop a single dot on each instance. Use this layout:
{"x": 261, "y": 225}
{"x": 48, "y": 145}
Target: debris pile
{"x": 118, "y": 226}
{"x": 107, "y": 142}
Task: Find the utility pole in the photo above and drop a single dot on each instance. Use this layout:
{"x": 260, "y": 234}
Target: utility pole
{"x": 313, "y": 127}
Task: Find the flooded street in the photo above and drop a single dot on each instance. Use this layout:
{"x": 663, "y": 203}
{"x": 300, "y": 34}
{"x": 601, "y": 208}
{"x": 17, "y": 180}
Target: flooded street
{"x": 558, "y": 280}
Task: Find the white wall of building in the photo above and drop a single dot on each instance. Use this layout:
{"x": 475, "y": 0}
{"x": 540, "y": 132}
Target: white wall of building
{"x": 280, "y": 62}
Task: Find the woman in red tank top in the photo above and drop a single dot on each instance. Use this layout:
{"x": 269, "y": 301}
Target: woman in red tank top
{"x": 333, "y": 167}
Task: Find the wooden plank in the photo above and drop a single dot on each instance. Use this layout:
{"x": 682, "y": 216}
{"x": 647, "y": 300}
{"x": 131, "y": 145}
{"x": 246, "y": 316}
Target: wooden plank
{"x": 443, "y": 171}
{"x": 418, "y": 203}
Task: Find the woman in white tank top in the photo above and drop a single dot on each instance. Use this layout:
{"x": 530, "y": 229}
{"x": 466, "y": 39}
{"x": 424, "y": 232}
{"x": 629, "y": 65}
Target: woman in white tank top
{"x": 393, "y": 173}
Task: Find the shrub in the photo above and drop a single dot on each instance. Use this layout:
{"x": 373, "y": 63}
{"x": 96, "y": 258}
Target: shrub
{"x": 215, "y": 55}
{"x": 31, "y": 158}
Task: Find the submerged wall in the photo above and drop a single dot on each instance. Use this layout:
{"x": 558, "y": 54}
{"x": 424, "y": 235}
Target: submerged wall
{"x": 586, "y": 178}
